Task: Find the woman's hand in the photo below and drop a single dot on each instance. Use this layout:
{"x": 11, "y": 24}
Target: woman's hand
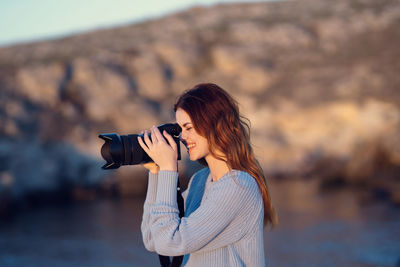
{"x": 162, "y": 153}
{"x": 152, "y": 167}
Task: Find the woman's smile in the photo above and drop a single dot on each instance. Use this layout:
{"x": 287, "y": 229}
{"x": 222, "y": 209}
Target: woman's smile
{"x": 190, "y": 146}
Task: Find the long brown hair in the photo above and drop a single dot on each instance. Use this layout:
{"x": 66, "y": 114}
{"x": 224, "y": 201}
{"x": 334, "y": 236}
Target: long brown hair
{"x": 215, "y": 116}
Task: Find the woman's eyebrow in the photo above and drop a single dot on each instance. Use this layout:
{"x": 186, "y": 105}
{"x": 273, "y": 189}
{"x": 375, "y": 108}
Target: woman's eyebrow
{"x": 186, "y": 124}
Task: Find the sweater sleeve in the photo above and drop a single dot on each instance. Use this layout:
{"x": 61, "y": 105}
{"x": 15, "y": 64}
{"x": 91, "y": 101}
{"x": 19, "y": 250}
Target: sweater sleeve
{"x": 218, "y": 222}
{"x": 150, "y": 199}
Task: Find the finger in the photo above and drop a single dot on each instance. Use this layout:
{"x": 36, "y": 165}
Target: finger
{"x": 157, "y": 132}
{"x": 154, "y": 137}
{"x": 143, "y": 145}
{"x": 147, "y": 139}
{"x": 171, "y": 140}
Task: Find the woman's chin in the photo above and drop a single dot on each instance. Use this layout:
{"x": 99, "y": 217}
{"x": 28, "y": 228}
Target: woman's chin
{"x": 193, "y": 157}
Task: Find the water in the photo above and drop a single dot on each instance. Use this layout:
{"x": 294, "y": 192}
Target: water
{"x": 330, "y": 229}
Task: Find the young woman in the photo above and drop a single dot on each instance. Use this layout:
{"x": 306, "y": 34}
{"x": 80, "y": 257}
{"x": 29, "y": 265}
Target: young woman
{"x": 226, "y": 204}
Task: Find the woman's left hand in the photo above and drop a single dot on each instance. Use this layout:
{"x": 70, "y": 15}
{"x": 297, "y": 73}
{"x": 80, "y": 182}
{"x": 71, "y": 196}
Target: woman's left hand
{"x": 162, "y": 153}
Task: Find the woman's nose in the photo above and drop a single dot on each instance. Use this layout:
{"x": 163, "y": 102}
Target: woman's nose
{"x": 183, "y": 136}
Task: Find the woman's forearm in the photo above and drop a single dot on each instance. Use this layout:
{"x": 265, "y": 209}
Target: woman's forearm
{"x": 150, "y": 199}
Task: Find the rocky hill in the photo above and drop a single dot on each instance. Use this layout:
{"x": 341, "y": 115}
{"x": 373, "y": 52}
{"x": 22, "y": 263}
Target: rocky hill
{"x": 318, "y": 79}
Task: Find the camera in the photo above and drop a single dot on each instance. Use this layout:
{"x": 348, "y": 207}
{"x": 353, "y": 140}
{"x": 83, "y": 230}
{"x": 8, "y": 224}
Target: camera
{"x": 120, "y": 150}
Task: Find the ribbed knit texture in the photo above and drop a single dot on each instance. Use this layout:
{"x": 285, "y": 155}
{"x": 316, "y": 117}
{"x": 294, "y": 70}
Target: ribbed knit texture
{"x": 223, "y": 222}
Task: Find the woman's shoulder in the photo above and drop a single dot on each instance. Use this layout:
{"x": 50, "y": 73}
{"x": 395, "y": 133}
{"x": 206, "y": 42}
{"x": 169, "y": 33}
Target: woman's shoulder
{"x": 236, "y": 186}
{"x": 240, "y": 179}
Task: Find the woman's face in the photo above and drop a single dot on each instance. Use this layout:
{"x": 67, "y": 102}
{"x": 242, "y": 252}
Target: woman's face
{"x": 196, "y": 144}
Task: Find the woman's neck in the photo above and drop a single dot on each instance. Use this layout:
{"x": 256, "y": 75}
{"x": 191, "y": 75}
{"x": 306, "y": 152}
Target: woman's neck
{"x": 218, "y": 168}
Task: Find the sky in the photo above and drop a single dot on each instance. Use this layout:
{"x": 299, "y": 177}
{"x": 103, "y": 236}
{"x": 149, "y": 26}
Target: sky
{"x": 35, "y": 20}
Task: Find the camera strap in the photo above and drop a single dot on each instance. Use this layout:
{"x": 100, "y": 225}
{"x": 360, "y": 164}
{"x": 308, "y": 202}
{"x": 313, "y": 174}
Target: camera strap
{"x": 165, "y": 261}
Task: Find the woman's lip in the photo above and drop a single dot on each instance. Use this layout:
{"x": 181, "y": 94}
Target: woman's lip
{"x": 191, "y": 148}
{"x": 189, "y": 143}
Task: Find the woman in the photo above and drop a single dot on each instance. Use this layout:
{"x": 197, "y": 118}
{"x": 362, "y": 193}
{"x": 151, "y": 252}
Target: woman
{"x": 226, "y": 203}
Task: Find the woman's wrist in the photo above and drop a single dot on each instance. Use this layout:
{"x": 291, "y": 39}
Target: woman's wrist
{"x": 168, "y": 168}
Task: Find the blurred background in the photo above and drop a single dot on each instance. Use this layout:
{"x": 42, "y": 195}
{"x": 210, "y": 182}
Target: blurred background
{"x": 318, "y": 79}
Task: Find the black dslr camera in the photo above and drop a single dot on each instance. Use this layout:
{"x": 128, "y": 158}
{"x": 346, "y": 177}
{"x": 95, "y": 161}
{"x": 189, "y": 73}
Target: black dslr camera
{"x": 120, "y": 150}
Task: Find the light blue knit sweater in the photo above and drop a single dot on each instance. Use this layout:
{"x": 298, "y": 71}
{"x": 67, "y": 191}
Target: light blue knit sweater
{"x": 223, "y": 222}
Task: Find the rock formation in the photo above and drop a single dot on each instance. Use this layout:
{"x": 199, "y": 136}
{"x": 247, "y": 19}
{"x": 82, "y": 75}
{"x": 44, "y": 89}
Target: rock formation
{"x": 317, "y": 79}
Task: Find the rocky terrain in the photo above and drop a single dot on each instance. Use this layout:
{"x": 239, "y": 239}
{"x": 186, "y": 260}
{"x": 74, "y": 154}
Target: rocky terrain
{"x": 318, "y": 79}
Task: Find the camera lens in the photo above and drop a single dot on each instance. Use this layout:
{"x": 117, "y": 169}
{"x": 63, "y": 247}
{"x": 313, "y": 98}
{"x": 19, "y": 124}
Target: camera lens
{"x": 120, "y": 150}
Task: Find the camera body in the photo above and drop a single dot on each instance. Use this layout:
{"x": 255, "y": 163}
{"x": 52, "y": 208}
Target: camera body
{"x": 119, "y": 150}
